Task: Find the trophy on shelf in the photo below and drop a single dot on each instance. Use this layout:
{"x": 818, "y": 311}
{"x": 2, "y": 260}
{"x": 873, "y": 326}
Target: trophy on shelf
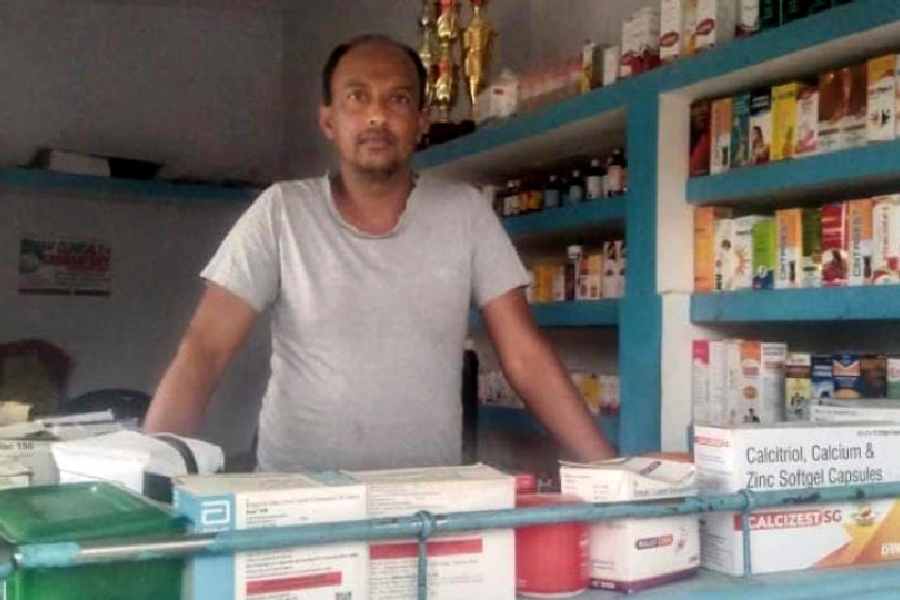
{"x": 428, "y": 47}
{"x": 448, "y": 34}
{"x": 478, "y": 40}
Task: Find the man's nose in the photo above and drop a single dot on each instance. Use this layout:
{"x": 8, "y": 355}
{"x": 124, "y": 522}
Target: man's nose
{"x": 377, "y": 112}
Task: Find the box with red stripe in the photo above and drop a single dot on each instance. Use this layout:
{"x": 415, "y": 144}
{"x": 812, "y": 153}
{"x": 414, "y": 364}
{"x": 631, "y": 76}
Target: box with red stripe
{"x": 248, "y": 501}
{"x": 479, "y": 564}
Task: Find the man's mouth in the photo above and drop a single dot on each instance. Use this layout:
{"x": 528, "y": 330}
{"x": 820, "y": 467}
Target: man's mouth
{"x": 378, "y": 140}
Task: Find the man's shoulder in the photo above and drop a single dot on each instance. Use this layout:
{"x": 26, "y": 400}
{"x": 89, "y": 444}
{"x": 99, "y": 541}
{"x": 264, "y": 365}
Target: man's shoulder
{"x": 294, "y": 190}
{"x": 445, "y": 192}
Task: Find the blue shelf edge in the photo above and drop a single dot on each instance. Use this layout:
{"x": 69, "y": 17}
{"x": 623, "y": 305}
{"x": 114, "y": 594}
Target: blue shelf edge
{"x": 855, "y": 167}
{"x": 865, "y": 303}
{"x": 37, "y": 179}
{"x": 592, "y": 213}
{"x": 582, "y": 313}
{"x": 519, "y": 420}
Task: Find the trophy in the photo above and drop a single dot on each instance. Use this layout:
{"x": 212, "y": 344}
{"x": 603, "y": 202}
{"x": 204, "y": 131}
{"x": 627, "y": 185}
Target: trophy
{"x": 477, "y": 42}
{"x": 447, "y": 33}
{"x": 428, "y": 48}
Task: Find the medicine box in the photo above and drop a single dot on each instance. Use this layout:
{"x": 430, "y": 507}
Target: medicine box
{"x": 811, "y": 263}
{"x": 742, "y": 251}
{"x": 859, "y": 240}
{"x": 633, "y": 554}
{"x": 788, "y": 456}
{"x": 765, "y": 251}
{"x": 784, "y": 119}
{"x": 835, "y": 268}
{"x": 249, "y": 501}
{"x": 716, "y": 20}
{"x": 760, "y": 126}
{"x": 701, "y": 138}
{"x": 882, "y": 98}
{"x": 705, "y": 218}
{"x": 886, "y": 240}
{"x": 740, "y": 130}
{"x": 761, "y": 398}
{"x": 806, "y": 140}
{"x": 797, "y": 386}
{"x": 854, "y": 100}
{"x": 789, "y": 229}
{"x": 720, "y": 127}
{"x": 722, "y": 267}
{"x": 478, "y": 564}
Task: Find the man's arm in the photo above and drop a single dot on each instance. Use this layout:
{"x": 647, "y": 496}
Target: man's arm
{"x": 219, "y": 327}
{"x": 536, "y": 373}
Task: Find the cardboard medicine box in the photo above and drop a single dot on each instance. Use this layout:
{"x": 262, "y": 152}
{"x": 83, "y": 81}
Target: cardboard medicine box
{"x": 846, "y": 369}
{"x": 705, "y": 218}
{"x": 833, "y": 108}
{"x": 671, "y": 30}
{"x": 760, "y": 126}
{"x": 893, "y": 377}
{"x": 835, "y": 269}
{"x": 765, "y": 252}
{"x": 742, "y": 251}
{"x": 701, "y": 138}
{"x": 836, "y": 411}
{"x": 806, "y": 140}
{"x": 797, "y": 386}
{"x": 822, "y": 377}
{"x": 761, "y": 398}
{"x": 720, "y": 133}
{"x": 716, "y": 20}
{"x": 479, "y": 564}
{"x": 633, "y": 554}
{"x": 740, "y": 130}
{"x": 882, "y": 98}
{"x": 747, "y": 18}
{"x": 722, "y": 267}
{"x": 789, "y": 229}
{"x": 859, "y": 241}
{"x": 804, "y": 537}
{"x": 248, "y": 501}
{"x": 886, "y": 240}
{"x": 784, "y": 119}
{"x": 853, "y": 100}
{"x": 708, "y": 382}
{"x": 789, "y": 456}
{"x": 811, "y": 263}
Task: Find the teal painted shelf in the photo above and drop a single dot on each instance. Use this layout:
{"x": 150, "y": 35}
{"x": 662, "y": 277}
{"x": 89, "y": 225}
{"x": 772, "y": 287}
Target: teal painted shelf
{"x": 583, "y": 313}
{"x": 864, "y": 170}
{"x": 518, "y": 420}
{"x": 859, "y": 583}
{"x": 41, "y": 180}
{"x": 869, "y": 303}
{"x": 581, "y": 217}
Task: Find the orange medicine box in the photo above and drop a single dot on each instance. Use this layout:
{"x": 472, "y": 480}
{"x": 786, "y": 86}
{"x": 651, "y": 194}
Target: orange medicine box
{"x": 854, "y": 99}
{"x": 762, "y": 382}
{"x": 789, "y": 248}
{"x": 859, "y": 241}
{"x": 704, "y": 245}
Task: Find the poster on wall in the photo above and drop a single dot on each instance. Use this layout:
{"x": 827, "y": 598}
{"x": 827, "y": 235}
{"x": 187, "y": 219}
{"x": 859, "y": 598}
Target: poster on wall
{"x": 64, "y": 266}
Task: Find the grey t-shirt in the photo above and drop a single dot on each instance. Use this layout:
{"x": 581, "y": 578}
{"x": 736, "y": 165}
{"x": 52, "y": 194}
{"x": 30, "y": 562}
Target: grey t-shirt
{"x": 367, "y": 331}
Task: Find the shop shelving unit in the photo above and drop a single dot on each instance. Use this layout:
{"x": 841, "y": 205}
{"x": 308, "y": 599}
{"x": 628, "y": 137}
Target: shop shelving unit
{"x": 114, "y": 187}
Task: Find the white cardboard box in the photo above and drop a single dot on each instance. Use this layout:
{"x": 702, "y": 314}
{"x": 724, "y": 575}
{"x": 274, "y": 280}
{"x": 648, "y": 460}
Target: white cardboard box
{"x": 803, "y": 537}
{"x": 792, "y": 455}
{"x": 633, "y": 554}
{"x": 716, "y": 20}
{"x": 249, "y": 501}
{"x": 856, "y": 410}
{"x": 460, "y": 566}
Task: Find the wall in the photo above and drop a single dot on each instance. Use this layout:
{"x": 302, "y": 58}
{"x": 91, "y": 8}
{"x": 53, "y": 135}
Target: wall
{"x": 127, "y": 339}
{"x": 195, "y": 87}
{"x": 531, "y": 32}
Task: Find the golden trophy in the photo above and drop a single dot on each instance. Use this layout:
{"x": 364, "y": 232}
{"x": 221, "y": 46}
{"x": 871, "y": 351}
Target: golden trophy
{"x": 428, "y": 48}
{"x": 448, "y": 33}
{"x": 477, "y": 41}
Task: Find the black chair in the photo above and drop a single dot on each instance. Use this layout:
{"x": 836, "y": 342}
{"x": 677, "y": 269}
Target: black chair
{"x": 124, "y": 403}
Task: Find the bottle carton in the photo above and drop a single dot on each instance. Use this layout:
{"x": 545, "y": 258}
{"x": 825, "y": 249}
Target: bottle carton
{"x": 789, "y": 229}
{"x": 806, "y": 142}
{"x": 784, "y": 119}
{"x": 811, "y": 263}
{"x": 835, "y": 268}
{"x": 716, "y": 20}
{"x": 765, "y": 251}
{"x": 859, "y": 241}
{"x": 723, "y": 268}
{"x": 760, "y": 126}
{"x": 882, "y": 98}
{"x": 886, "y": 240}
{"x": 797, "y": 386}
{"x": 704, "y": 246}
{"x": 742, "y": 251}
{"x": 740, "y": 130}
{"x": 720, "y": 136}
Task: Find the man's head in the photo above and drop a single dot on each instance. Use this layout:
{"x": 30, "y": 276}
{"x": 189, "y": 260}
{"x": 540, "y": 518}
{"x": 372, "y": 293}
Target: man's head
{"x": 373, "y": 104}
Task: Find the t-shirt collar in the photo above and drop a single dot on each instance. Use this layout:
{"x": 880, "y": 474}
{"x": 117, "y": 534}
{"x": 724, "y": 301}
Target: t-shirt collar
{"x": 405, "y": 216}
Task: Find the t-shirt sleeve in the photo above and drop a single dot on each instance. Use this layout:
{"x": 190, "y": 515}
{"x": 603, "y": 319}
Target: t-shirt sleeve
{"x": 496, "y": 267}
{"x": 247, "y": 262}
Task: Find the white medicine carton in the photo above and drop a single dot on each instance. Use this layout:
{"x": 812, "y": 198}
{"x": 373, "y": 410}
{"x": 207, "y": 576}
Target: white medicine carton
{"x": 633, "y": 554}
{"x": 795, "y": 455}
{"x": 462, "y": 566}
{"x": 248, "y": 501}
{"x": 856, "y": 410}
{"x": 803, "y": 537}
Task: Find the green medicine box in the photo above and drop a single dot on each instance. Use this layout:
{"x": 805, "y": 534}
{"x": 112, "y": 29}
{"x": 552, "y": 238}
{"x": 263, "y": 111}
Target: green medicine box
{"x": 80, "y": 512}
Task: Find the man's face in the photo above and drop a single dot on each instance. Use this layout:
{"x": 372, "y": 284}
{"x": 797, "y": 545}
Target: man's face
{"x": 374, "y": 119}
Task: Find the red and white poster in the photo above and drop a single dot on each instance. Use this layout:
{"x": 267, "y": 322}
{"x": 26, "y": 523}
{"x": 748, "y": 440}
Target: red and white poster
{"x": 64, "y": 266}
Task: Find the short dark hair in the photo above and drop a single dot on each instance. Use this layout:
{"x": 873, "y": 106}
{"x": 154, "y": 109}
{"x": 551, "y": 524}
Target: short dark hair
{"x": 341, "y": 50}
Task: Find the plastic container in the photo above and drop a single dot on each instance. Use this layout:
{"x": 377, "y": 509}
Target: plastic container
{"x": 84, "y": 511}
{"x": 551, "y": 560}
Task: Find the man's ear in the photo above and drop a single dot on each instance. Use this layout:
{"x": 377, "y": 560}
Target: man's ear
{"x": 424, "y": 123}
{"x": 326, "y": 123}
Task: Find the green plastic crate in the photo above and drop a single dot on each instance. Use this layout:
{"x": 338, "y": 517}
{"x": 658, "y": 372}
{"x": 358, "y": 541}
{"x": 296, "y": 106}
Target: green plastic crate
{"x": 78, "y": 512}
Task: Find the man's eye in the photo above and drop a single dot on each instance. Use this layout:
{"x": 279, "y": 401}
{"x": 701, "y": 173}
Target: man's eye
{"x": 402, "y": 99}
{"x": 356, "y": 95}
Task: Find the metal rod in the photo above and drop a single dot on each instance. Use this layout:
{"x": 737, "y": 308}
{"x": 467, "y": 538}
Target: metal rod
{"x": 73, "y": 553}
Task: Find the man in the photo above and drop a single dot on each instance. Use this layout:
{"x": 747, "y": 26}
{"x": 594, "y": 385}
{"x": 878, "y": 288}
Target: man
{"x": 369, "y": 275}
